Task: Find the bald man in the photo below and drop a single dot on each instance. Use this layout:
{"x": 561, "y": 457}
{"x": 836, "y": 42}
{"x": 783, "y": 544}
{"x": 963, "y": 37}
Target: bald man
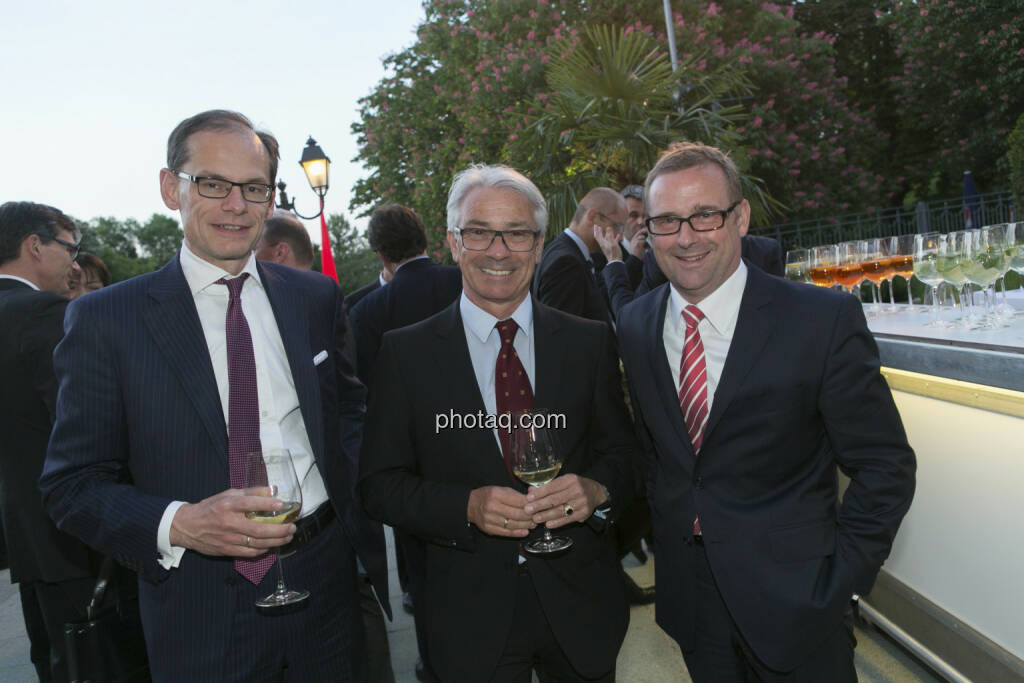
{"x": 565, "y": 278}
{"x": 285, "y": 241}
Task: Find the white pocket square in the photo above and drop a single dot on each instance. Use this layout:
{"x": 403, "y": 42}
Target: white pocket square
{"x": 320, "y": 358}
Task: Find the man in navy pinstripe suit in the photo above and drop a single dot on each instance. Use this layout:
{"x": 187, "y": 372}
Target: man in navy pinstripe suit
{"x": 138, "y": 461}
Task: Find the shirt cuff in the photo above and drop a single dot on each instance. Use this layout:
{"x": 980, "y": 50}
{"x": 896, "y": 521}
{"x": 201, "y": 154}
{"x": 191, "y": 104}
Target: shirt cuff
{"x": 614, "y": 260}
{"x": 169, "y": 555}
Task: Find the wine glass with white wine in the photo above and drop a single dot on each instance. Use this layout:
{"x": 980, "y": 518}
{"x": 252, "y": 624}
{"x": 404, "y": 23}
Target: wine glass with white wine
{"x": 274, "y": 468}
{"x": 536, "y": 460}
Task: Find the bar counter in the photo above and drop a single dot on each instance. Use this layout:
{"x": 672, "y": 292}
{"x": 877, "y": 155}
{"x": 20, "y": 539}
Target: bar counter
{"x": 954, "y": 580}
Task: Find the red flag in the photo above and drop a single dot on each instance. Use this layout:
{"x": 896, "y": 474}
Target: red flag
{"x": 326, "y": 256}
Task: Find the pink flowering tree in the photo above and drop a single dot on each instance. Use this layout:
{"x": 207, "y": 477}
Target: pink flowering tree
{"x": 959, "y": 91}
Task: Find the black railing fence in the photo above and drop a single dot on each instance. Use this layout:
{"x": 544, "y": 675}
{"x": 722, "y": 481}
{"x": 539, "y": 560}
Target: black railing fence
{"x": 943, "y": 215}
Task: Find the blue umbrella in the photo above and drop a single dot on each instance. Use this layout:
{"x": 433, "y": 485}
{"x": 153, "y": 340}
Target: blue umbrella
{"x": 973, "y": 217}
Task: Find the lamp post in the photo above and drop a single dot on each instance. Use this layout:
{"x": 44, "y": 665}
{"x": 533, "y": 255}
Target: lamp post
{"x": 316, "y": 165}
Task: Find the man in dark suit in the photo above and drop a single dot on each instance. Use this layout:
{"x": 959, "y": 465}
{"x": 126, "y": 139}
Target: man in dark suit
{"x": 418, "y": 289}
{"x": 167, "y": 381}
{"x": 54, "y": 571}
{"x": 750, "y": 392}
{"x": 491, "y": 615}
{"x": 566, "y": 278}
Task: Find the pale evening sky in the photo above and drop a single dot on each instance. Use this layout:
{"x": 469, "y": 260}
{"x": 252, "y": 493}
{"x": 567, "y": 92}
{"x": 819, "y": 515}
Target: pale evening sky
{"x": 92, "y": 89}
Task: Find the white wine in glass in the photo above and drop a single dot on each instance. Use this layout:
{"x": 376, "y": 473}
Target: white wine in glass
{"x": 536, "y": 460}
{"x": 274, "y": 468}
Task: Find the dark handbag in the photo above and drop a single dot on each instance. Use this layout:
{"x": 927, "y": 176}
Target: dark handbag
{"x": 108, "y": 646}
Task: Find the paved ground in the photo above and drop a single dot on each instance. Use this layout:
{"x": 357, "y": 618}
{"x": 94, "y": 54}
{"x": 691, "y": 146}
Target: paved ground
{"x": 647, "y": 656}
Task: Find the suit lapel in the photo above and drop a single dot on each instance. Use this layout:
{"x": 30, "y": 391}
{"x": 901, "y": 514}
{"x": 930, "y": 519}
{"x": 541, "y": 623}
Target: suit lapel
{"x": 175, "y": 328}
{"x": 289, "y": 311}
{"x": 754, "y": 326}
{"x": 452, "y": 355}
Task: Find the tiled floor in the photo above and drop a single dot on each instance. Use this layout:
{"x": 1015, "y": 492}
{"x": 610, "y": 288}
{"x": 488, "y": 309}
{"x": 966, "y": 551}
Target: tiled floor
{"x": 647, "y": 656}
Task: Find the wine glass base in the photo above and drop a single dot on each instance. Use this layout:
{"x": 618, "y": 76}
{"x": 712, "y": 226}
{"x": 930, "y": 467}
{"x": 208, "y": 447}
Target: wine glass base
{"x": 545, "y": 546}
{"x": 283, "y": 601}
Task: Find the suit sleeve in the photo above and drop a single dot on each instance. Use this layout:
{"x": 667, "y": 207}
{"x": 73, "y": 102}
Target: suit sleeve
{"x": 869, "y": 445}
{"x": 390, "y": 483}
{"x": 616, "y": 283}
{"x": 86, "y": 480}
{"x": 559, "y": 285}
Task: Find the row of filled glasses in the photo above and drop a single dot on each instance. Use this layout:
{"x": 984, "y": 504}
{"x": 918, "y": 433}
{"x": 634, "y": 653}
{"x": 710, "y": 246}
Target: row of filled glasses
{"x": 850, "y": 264}
{"x": 960, "y": 259}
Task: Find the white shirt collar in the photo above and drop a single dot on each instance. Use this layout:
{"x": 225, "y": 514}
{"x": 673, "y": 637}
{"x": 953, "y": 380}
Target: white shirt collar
{"x": 20, "y": 279}
{"x": 579, "y": 243}
{"x": 481, "y": 323}
{"x": 721, "y": 308}
{"x": 200, "y": 274}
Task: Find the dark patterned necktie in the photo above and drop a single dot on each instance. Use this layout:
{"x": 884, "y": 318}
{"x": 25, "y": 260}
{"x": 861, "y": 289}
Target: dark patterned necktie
{"x": 512, "y": 389}
{"x": 243, "y": 409}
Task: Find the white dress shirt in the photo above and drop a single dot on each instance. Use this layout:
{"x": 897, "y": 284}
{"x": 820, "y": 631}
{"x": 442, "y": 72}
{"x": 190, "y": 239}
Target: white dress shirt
{"x": 721, "y": 308}
{"x": 484, "y": 344}
{"x": 281, "y": 423}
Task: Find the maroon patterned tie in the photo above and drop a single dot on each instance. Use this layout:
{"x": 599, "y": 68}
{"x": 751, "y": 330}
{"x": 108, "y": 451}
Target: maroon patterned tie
{"x": 512, "y": 389}
{"x": 693, "y": 384}
{"x": 243, "y": 409}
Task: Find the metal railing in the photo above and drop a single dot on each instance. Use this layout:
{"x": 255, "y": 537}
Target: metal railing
{"x": 939, "y": 215}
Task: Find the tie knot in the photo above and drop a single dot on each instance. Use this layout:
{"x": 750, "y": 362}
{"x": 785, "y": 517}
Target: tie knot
{"x": 692, "y": 316}
{"x": 507, "y": 330}
{"x": 234, "y": 285}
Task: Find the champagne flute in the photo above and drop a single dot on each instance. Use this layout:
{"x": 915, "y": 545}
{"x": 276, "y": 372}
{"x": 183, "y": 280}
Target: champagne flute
{"x": 1004, "y": 312}
{"x": 823, "y": 263}
{"x": 798, "y": 267}
{"x": 536, "y": 460}
{"x": 927, "y": 247}
{"x": 903, "y": 262}
{"x": 950, "y": 266}
{"x": 984, "y": 258}
{"x": 274, "y": 468}
{"x": 849, "y": 272}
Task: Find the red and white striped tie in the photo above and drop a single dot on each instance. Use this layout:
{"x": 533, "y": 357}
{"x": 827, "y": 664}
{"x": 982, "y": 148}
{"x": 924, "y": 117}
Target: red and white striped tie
{"x": 693, "y": 385}
{"x": 693, "y": 379}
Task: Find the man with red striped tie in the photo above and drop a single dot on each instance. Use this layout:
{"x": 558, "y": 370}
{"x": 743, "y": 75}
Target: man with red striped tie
{"x": 749, "y": 393}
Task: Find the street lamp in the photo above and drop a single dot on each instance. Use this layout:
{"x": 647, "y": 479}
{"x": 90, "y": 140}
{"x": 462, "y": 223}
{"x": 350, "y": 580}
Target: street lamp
{"x": 316, "y": 166}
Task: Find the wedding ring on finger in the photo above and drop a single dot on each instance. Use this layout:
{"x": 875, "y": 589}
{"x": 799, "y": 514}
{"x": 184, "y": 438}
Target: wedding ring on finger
{"x": 568, "y": 510}
{"x": 505, "y": 524}
{"x": 248, "y": 540}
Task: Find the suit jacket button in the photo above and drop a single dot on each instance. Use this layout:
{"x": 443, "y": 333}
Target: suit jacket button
{"x": 699, "y": 484}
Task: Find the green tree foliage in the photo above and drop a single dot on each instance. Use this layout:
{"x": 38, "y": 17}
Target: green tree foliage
{"x": 474, "y": 83}
{"x": 129, "y": 248}
{"x": 1015, "y": 161}
{"x": 958, "y": 93}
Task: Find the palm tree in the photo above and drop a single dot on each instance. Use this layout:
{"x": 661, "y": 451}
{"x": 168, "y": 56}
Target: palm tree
{"x": 617, "y": 105}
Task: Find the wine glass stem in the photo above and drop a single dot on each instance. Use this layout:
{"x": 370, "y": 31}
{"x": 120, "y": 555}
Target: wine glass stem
{"x": 935, "y": 302}
{"x": 910, "y": 296}
{"x": 281, "y": 588}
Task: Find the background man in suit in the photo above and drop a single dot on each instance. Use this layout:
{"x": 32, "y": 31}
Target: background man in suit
{"x": 418, "y": 289}
{"x": 750, "y": 391}
{"x": 286, "y": 241}
{"x": 54, "y": 571}
{"x": 491, "y": 617}
{"x": 164, "y": 378}
{"x": 566, "y": 278}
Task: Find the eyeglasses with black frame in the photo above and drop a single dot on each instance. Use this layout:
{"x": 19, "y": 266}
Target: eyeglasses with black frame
{"x": 702, "y": 221}
{"x": 481, "y": 239}
{"x": 218, "y": 188}
{"x": 72, "y": 248}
